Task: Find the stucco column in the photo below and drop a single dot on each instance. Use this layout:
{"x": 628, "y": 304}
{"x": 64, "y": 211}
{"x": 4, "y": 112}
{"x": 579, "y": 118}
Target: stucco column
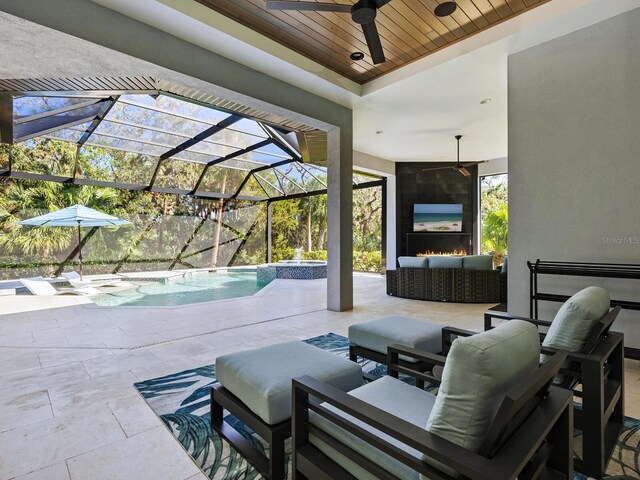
{"x": 391, "y": 253}
{"x": 339, "y": 221}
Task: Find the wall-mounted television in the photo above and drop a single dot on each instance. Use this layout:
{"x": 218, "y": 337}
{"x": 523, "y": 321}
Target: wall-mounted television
{"x": 437, "y": 217}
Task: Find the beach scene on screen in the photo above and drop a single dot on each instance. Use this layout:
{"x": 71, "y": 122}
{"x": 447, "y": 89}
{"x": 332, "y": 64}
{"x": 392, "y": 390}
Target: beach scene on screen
{"x": 437, "y": 218}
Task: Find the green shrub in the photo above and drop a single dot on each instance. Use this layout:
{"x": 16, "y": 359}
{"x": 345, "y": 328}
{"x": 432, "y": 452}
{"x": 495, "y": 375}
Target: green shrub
{"x": 315, "y": 255}
{"x": 282, "y": 253}
{"x": 368, "y": 261}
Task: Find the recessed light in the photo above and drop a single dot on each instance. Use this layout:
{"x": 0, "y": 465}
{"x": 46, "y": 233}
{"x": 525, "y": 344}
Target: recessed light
{"x": 378, "y": 132}
{"x": 445, "y": 9}
{"x": 355, "y": 56}
{"x": 484, "y": 101}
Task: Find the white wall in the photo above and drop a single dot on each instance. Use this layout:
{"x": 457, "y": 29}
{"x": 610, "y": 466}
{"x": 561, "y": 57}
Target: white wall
{"x": 574, "y": 159}
{"x": 384, "y": 168}
{"x": 372, "y": 164}
{"x": 495, "y": 166}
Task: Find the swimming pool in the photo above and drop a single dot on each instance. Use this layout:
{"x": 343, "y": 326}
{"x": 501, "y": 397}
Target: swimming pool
{"x": 183, "y": 291}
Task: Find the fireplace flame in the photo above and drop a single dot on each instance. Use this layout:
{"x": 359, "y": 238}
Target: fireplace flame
{"x": 454, "y": 253}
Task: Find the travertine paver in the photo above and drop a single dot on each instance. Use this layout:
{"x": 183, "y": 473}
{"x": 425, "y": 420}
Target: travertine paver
{"x": 68, "y": 409}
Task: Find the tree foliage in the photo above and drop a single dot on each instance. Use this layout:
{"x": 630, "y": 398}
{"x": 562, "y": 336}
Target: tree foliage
{"x": 495, "y": 216}
{"x": 168, "y": 231}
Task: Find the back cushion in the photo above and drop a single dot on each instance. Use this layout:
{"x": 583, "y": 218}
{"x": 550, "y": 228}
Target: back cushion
{"x": 477, "y": 375}
{"x": 576, "y": 318}
{"x": 445, "y": 262}
{"x": 413, "y": 262}
{"x": 477, "y": 262}
{"x": 505, "y": 265}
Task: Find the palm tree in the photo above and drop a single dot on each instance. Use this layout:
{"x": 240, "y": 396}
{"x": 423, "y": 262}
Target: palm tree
{"x": 21, "y": 197}
{"x": 494, "y": 233}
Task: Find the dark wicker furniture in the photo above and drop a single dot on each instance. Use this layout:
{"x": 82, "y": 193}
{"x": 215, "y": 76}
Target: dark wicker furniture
{"x": 448, "y": 285}
{"x": 530, "y": 437}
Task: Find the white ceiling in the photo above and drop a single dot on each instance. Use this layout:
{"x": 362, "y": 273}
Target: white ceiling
{"x": 419, "y": 107}
{"x": 420, "y": 116}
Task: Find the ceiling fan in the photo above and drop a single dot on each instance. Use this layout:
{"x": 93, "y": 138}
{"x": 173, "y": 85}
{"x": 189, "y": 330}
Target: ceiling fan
{"x": 460, "y": 167}
{"x": 363, "y": 12}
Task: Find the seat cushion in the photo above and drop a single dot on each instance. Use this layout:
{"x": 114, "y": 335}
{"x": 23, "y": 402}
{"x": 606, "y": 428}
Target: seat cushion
{"x": 445, "y": 261}
{"x": 478, "y": 373}
{"x": 477, "y": 262}
{"x": 392, "y": 396}
{"x": 413, "y": 262}
{"x": 378, "y": 334}
{"x": 576, "y": 318}
{"x": 261, "y": 377}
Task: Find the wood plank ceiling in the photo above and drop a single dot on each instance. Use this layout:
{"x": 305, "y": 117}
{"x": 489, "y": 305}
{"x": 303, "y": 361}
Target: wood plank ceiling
{"x": 409, "y": 30}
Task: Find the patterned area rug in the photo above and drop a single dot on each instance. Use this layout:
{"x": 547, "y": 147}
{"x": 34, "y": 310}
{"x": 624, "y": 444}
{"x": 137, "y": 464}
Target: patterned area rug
{"x": 181, "y": 400}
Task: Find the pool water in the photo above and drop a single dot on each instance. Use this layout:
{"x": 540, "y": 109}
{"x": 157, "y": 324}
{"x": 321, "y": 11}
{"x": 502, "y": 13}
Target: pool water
{"x": 188, "y": 289}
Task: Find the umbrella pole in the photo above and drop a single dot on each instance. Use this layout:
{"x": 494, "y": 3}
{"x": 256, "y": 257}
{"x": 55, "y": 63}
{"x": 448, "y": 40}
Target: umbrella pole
{"x": 80, "y": 250}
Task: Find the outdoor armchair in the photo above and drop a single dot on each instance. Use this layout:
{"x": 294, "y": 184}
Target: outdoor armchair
{"x": 594, "y": 370}
{"x": 513, "y": 424}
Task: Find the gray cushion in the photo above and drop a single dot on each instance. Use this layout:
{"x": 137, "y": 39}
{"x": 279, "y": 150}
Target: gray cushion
{"x": 445, "y": 261}
{"x": 392, "y": 396}
{"x": 378, "y": 334}
{"x": 261, "y": 377}
{"x": 477, "y": 262}
{"x": 477, "y": 374}
{"x": 505, "y": 265}
{"x": 572, "y": 324}
{"x": 413, "y": 262}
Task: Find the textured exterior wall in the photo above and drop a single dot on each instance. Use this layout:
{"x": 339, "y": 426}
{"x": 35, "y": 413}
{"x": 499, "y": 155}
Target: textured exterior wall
{"x": 574, "y": 160}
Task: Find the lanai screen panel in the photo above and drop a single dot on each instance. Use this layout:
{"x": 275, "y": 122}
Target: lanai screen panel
{"x": 160, "y": 142}
{"x": 149, "y": 141}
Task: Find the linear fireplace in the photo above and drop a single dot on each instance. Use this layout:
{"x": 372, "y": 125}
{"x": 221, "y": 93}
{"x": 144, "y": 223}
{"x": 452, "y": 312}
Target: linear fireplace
{"x": 418, "y": 184}
{"x": 417, "y": 243}
{"x": 439, "y": 253}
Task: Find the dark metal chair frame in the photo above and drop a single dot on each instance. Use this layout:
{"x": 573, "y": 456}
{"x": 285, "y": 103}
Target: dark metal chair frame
{"x": 599, "y": 370}
{"x": 530, "y": 437}
{"x": 271, "y": 467}
{"x": 356, "y": 351}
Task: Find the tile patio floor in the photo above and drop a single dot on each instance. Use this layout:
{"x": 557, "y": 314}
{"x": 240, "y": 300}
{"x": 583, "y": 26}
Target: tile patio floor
{"x": 68, "y": 409}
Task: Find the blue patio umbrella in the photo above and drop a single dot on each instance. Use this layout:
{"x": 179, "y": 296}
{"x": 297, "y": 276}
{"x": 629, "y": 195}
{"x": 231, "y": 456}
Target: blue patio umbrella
{"x": 76, "y": 216}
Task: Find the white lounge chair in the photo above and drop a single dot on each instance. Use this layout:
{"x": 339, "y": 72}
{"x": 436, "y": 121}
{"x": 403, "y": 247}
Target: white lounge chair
{"x": 40, "y": 286}
{"x": 74, "y": 279}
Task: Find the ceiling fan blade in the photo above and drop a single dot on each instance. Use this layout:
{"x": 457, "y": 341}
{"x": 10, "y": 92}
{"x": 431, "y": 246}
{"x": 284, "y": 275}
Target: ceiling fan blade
{"x": 463, "y": 171}
{"x": 373, "y": 42}
{"x": 437, "y": 168}
{"x": 318, "y": 7}
{"x": 382, "y": 3}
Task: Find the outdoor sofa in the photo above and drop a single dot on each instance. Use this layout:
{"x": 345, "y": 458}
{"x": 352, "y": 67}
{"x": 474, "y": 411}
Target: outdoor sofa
{"x": 468, "y": 279}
